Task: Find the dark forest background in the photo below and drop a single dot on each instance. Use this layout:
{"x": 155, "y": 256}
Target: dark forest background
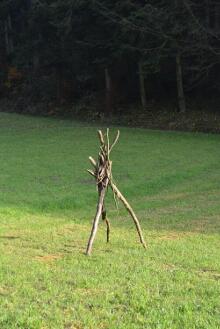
{"x": 106, "y": 58}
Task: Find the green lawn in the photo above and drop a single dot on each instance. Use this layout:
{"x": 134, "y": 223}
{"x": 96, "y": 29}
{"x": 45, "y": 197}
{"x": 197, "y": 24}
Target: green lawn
{"x": 46, "y": 207}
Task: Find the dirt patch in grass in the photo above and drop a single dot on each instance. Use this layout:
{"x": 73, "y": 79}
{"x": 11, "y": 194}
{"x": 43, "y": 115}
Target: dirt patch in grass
{"x": 175, "y": 235}
{"x": 4, "y": 291}
{"x": 9, "y": 237}
{"x": 209, "y": 273}
{"x": 90, "y": 291}
{"x": 48, "y": 258}
{"x": 73, "y": 326}
{"x": 169, "y": 267}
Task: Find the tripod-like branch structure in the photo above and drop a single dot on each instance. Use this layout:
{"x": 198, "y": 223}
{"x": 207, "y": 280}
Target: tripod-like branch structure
{"x": 102, "y": 172}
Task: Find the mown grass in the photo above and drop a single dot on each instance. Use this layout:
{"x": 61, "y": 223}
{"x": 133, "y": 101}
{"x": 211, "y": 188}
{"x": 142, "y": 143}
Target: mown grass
{"x": 46, "y": 207}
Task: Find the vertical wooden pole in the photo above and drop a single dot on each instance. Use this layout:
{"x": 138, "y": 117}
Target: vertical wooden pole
{"x": 98, "y": 214}
{"x": 104, "y": 218}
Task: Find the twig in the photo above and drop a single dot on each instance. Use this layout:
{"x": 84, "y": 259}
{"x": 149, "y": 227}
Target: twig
{"x": 115, "y": 140}
{"x": 93, "y": 162}
{"x": 104, "y": 218}
{"x": 91, "y": 172}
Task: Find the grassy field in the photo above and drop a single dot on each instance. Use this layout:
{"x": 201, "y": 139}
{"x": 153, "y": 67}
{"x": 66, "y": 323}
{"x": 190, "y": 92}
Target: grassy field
{"x": 46, "y": 207}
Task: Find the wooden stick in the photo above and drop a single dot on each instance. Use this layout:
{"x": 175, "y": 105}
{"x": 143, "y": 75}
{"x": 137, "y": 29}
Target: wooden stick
{"x": 91, "y": 172}
{"x": 108, "y": 229}
{"x": 93, "y": 162}
{"x": 96, "y": 221}
{"x": 101, "y": 138}
{"x": 107, "y": 136}
{"x": 130, "y": 210}
{"x": 104, "y": 218}
{"x": 115, "y": 141}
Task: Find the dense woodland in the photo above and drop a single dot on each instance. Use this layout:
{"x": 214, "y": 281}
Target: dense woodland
{"x": 109, "y": 53}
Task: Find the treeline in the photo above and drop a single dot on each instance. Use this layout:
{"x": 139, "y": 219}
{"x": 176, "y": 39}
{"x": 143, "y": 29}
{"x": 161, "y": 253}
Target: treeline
{"x": 110, "y": 52}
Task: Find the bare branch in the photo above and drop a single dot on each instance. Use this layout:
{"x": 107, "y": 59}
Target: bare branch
{"x": 91, "y": 172}
{"x": 93, "y": 162}
{"x": 115, "y": 141}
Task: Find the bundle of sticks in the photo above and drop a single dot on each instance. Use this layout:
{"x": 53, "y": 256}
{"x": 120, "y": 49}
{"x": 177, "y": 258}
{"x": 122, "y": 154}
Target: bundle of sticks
{"x": 102, "y": 172}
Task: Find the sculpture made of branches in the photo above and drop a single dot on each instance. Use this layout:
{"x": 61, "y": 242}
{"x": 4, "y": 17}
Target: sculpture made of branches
{"x": 102, "y": 172}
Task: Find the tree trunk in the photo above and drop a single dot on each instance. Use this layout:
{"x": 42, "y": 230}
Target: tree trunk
{"x": 179, "y": 79}
{"x": 142, "y": 85}
{"x": 8, "y": 36}
{"x": 217, "y": 17}
{"x": 59, "y": 83}
{"x": 108, "y": 93}
{"x": 3, "y": 63}
{"x": 207, "y": 13}
{"x": 36, "y": 62}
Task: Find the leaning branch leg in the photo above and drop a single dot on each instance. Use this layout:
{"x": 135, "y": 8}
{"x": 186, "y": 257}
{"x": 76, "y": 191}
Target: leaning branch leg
{"x": 131, "y": 212}
{"x": 96, "y": 221}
